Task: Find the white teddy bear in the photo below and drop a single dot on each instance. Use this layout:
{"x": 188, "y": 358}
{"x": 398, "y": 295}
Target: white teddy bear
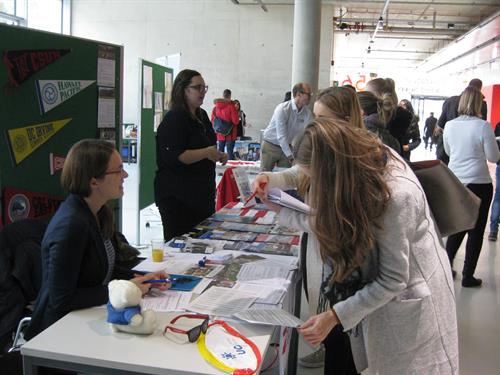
{"x": 124, "y": 310}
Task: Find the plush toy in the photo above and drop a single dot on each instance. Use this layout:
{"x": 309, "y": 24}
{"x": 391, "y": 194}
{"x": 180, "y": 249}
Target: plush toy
{"x": 124, "y": 310}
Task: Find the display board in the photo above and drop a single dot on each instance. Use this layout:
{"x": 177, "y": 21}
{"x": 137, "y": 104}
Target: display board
{"x": 55, "y": 90}
{"x": 156, "y": 84}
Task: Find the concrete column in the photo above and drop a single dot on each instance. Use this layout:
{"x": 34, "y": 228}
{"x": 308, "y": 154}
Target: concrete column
{"x": 306, "y": 42}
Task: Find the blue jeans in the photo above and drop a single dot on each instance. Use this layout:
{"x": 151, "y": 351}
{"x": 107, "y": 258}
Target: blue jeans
{"x": 495, "y": 207}
{"x": 230, "y": 147}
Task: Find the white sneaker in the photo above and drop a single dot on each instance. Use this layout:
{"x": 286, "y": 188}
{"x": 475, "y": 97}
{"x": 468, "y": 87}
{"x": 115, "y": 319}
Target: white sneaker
{"x": 314, "y": 360}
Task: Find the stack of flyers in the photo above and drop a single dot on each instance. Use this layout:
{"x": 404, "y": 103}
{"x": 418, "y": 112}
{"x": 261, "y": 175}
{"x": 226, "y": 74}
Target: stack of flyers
{"x": 260, "y": 247}
{"x": 256, "y": 228}
{"x": 232, "y": 217}
{"x": 289, "y": 231}
{"x": 229, "y": 235}
{"x": 278, "y": 238}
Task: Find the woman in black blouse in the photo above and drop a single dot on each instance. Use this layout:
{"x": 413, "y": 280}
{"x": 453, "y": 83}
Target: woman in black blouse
{"x": 186, "y": 154}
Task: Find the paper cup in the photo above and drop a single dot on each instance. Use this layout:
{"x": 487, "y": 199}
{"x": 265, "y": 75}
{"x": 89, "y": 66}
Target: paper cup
{"x": 157, "y": 247}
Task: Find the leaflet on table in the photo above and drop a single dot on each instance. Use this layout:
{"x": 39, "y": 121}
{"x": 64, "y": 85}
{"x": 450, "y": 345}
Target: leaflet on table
{"x": 283, "y": 199}
{"x": 268, "y": 294}
{"x": 257, "y": 228}
{"x": 166, "y": 300}
{"x": 228, "y": 235}
{"x": 209, "y": 270}
{"x": 275, "y": 317}
{"x": 252, "y": 271}
{"x": 147, "y": 265}
{"x": 261, "y": 247}
{"x": 222, "y": 301}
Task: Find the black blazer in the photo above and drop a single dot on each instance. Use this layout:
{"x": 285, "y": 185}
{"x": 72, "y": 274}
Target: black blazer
{"x": 74, "y": 265}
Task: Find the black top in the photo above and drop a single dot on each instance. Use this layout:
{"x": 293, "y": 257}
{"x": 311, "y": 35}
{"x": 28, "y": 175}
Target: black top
{"x": 450, "y": 110}
{"x": 74, "y": 265}
{"x": 193, "y": 183}
{"x": 399, "y": 124}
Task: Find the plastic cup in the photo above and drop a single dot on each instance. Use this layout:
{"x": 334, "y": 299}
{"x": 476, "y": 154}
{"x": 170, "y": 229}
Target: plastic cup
{"x": 157, "y": 250}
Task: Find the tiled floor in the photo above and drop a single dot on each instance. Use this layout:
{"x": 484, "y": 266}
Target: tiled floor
{"x": 478, "y": 309}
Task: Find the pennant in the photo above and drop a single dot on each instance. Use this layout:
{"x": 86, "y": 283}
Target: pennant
{"x": 23, "y": 64}
{"x": 24, "y": 141}
{"x": 22, "y": 204}
{"x": 51, "y": 93}
{"x": 56, "y": 163}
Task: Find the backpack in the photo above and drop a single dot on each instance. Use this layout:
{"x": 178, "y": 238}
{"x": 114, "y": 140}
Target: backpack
{"x": 222, "y": 127}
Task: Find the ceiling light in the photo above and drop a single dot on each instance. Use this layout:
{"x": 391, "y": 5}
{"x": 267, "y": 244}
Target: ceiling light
{"x": 235, "y": 2}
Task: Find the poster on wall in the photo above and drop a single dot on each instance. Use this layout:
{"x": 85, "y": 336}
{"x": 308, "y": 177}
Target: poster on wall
{"x": 168, "y": 89}
{"x": 22, "y": 64}
{"x": 22, "y": 204}
{"x": 106, "y": 107}
{"x": 51, "y": 93}
{"x": 147, "y": 87}
{"x": 24, "y": 141}
{"x": 106, "y": 61}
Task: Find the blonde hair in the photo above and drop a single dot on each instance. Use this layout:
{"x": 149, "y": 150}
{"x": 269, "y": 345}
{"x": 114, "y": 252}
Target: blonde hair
{"x": 470, "y": 102}
{"x": 343, "y": 102}
{"x": 371, "y": 103}
{"x": 348, "y": 192}
{"x": 381, "y": 87}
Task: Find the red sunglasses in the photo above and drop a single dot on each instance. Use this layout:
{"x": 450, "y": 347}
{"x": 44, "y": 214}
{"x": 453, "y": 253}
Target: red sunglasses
{"x": 194, "y": 333}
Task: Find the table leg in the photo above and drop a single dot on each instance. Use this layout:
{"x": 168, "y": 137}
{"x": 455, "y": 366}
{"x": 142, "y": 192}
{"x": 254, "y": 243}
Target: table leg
{"x": 294, "y": 339}
{"x": 29, "y": 367}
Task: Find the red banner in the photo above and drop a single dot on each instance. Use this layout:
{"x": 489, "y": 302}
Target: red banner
{"x": 21, "y": 204}
{"x": 24, "y": 63}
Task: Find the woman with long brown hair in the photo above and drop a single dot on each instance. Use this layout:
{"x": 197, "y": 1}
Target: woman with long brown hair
{"x": 386, "y": 278}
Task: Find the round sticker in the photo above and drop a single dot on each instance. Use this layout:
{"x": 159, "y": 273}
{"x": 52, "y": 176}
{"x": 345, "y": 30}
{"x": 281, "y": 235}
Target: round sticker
{"x": 19, "y": 207}
{"x": 49, "y": 93}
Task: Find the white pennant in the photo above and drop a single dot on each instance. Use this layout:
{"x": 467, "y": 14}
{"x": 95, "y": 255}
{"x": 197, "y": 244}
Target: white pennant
{"x": 51, "y": 93}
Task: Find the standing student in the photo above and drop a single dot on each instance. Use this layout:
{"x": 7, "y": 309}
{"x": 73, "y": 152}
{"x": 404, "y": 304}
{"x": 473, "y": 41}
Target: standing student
{"x": 78, "y": 258}
{"x": 289, "y": 119}
{"x": 225, "y": 109}
{"x": 470, "y": 142}
{"x": 495, "y": 208}
{"x": 242, "y": 117}
{"x": 412, "y": 139}
{"x": 185, "y": 158}
{"x": 430, "y": 125}
{"x": 386, "y": 278}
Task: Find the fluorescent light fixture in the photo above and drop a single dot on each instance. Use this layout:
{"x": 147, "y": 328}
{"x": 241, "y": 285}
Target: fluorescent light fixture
{"x": 235, "y": 2}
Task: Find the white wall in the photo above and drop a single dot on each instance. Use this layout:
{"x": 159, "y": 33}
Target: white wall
{"x": 234, "y": 46}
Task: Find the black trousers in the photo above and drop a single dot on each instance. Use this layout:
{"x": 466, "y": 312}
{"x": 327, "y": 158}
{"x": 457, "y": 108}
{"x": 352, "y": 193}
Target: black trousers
{"x": 338, "y": 354}
{"x": 179, "y": 218}
{"x": 475, "y": 235}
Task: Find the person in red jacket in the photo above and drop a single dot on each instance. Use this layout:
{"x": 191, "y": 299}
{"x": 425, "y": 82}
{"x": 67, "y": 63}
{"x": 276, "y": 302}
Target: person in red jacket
{"x": 225, "y": 110}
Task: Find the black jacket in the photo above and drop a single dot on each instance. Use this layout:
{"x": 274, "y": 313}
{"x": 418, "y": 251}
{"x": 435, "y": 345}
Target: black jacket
{"x": 74, "y": 265}
{"x": 373, "y": 124}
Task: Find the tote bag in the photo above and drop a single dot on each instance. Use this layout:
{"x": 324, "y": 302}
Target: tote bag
{"x": 455, "y": 208}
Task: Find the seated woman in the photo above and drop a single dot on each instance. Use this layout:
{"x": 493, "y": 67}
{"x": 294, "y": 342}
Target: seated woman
{"x": 386, "y": 277}
{"x": 78, "y": 259}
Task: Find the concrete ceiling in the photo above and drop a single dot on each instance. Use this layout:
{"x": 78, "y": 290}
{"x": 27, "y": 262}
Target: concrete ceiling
{"x": 398, "y": 34}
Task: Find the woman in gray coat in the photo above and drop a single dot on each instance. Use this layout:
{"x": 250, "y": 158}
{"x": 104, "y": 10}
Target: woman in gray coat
{"x": 377, "y": 240}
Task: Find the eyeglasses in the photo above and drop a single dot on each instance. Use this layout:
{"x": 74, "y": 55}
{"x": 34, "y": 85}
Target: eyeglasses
{"x": 118, "y": 171}
{"x": 194, "y": 333}
{"x": 200, "y": 88}
{"x": 309, "y": 94}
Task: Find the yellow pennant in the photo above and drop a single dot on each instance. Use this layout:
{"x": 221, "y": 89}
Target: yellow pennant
{"x": 23, "y": 141}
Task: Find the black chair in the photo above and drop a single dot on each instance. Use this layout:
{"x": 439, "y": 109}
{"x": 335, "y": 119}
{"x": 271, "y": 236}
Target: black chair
{"x": 20, "y": 274}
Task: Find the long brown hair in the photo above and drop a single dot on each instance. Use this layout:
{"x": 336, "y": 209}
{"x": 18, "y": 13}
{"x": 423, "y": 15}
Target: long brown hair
{"x": 87, "y": 159}
{"x": 470, "y": 102}
{"x": 181, "y": 82}
{"x": 348, "y": 192}
{"x": 343, "y": 102}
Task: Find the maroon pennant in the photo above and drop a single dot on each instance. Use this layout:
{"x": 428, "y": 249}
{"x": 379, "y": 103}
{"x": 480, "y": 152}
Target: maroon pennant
{"x": 20, "y": 204}
{"x": 23, "y": 64}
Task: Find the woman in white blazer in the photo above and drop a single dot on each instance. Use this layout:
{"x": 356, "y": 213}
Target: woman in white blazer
{"x": 372, "y": 228}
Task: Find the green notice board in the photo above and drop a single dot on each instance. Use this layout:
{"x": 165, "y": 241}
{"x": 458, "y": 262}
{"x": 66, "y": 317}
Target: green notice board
{"x": 156, "y": 90}
{"x": 55, "y": 90}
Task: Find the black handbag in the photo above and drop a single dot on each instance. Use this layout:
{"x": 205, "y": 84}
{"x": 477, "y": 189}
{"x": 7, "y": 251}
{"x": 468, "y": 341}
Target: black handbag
{"x": 454, "y": 207}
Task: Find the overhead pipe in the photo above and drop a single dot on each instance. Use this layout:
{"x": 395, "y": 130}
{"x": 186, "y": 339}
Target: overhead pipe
{"x": 380, "y": 23}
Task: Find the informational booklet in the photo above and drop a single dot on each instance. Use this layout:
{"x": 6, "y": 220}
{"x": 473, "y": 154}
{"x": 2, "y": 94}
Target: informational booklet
{"x": 222, "y": 301}
{"x": 274, "y": 317}
{"x": 286, "y": 200}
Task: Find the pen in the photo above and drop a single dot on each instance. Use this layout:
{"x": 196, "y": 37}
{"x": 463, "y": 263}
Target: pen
{"x": 261, "y": 185}
{"x": 154, "y": 281}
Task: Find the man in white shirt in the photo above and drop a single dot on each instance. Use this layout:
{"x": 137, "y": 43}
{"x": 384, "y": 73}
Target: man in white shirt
{"x": 289, "y": 119}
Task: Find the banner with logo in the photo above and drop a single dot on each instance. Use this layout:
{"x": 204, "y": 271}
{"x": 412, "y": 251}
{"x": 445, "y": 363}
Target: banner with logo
{"x": 22, "y": 64}
{"x": 51, "y": 93}
{"x": 24, "y": 141}
{"x": 22, "y": 204}
{"x": 56, "y": 163}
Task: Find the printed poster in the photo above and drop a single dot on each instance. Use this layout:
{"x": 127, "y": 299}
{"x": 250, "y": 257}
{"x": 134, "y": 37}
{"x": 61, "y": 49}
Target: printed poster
{"x": 106, "y": 61}
{"x": 147, "y": 87}
{"x": 51, "y": 93}
{"x": 24, "y": 141}
{"x": 106, "y": 108}
{"x": 168, "y": 90}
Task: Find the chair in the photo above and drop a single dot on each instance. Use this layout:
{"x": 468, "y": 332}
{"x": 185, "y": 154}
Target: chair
{"x": 20, "y": 276}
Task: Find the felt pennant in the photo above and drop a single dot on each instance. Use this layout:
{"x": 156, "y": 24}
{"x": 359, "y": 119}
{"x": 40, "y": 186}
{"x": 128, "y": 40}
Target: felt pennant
{"x": 51, "y": 93}
{"x": 56, "y": 163}
{"x": 24, "y": 141}
{"x": 22, "y": 204}
{"x": 22, "y": 64}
